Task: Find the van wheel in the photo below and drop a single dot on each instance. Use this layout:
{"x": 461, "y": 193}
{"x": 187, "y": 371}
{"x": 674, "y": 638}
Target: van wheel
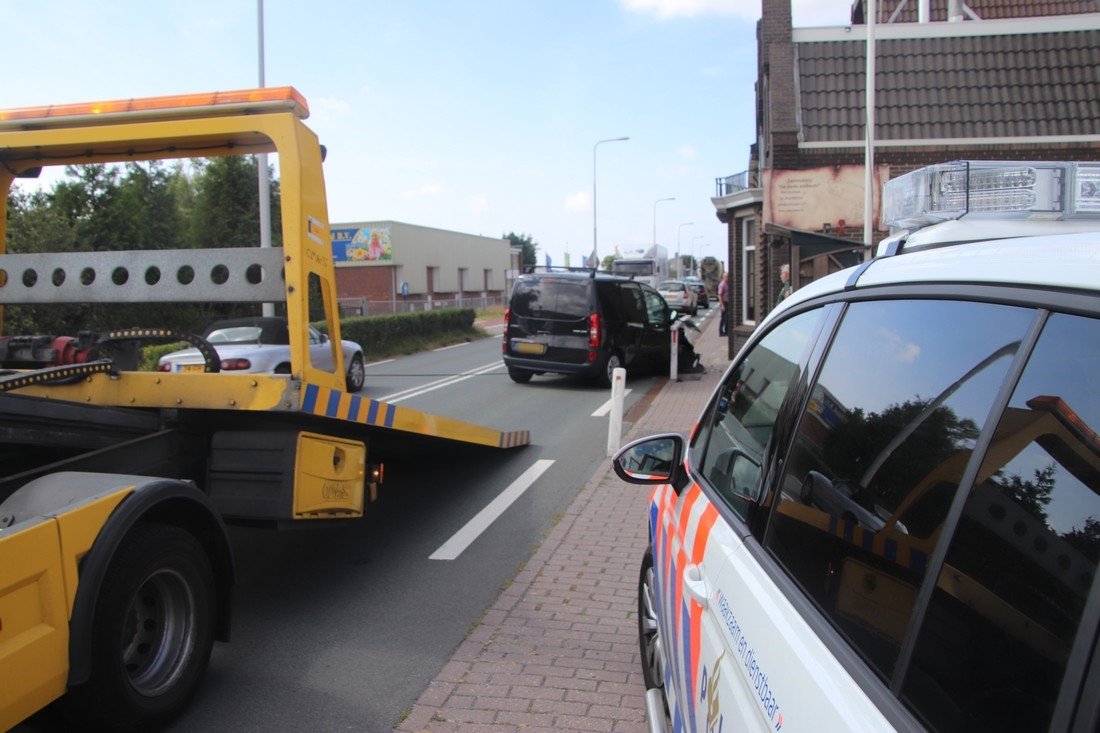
{"x": 649, "y": 639}
{"x": 613, "y": 362}
{"x": 519, "y": 376}
{"x": 152, "y": 632}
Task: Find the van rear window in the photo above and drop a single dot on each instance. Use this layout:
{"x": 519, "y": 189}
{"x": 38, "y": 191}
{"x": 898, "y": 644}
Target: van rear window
{"x": 551, "y": 298}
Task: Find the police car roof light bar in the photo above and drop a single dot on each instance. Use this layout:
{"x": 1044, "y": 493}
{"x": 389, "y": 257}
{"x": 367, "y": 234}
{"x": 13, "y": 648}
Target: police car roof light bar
{"x": 992, "y": 189}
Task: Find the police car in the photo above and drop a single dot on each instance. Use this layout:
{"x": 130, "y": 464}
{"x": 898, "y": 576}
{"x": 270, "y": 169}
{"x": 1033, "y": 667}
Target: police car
{"x": 888, "y": 516}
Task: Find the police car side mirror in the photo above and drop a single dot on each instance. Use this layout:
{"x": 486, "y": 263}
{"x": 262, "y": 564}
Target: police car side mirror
{"x": 658, "y": 459}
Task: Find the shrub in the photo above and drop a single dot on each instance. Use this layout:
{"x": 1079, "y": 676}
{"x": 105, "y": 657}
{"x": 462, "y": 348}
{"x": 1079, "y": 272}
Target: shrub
{"x": 377, "y": 335}
{"x": 390, "y": 333}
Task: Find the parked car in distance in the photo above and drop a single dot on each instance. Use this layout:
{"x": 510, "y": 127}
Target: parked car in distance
{"x": 887, "y": 517}
{"x": 702, "y": 298}
{"x": 262, "y": 345}
{"x": 680, "y": 296}
{"x": 586, "y": 323}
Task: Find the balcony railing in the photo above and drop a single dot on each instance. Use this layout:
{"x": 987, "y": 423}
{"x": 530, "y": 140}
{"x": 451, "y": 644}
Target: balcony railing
{"x": 737, "y": 182}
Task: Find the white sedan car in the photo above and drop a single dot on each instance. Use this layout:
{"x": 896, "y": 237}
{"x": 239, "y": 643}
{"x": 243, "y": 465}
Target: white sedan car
{"x": 262, "y": 345}
{"x": 679, "y": 296}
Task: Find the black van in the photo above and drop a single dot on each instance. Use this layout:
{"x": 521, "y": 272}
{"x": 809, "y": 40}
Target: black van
{"x": 585, "y": 323}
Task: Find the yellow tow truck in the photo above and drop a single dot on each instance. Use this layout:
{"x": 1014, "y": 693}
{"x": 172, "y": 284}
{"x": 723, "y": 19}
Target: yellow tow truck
{"x": 116, "y": 484}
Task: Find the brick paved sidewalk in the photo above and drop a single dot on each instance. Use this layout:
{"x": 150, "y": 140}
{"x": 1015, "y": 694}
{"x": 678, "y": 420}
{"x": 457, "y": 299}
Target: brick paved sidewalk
{"x": 558, "y": 651}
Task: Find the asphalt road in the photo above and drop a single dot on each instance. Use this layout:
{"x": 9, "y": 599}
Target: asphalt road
{"x": 343, "y": 627}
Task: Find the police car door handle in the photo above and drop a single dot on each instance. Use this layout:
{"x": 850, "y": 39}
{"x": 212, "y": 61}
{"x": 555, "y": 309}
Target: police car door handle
{"x": 695, "y": 585}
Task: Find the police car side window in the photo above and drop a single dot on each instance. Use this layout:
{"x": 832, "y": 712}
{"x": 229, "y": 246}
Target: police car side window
{"x": 1008, "y": 601}
{"x": 878, "y": 453}
{"x": 740, "y": 422}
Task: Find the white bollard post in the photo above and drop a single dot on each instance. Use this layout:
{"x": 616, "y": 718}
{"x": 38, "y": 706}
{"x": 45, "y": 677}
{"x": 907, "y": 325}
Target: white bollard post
{"x": 673, "y": 362}
{"x": 615, "y": 424}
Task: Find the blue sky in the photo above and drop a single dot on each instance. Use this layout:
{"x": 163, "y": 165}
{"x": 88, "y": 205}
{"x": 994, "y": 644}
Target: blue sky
{"x": 479, "y": 117}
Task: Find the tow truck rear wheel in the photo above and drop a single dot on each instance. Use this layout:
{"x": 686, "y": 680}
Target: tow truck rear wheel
{"x": 152, "y": 632}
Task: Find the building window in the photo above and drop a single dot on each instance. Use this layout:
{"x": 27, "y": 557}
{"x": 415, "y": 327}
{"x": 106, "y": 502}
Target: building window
{"x": 748, "y": 271}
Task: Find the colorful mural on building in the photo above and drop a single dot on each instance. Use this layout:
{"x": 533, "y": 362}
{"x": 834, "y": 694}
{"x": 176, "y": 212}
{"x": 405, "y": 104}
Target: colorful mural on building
{"x": 362, "y": 244}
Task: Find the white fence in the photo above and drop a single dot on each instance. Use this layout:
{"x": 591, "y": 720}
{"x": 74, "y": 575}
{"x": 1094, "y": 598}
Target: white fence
{"x": 363, "y": 307}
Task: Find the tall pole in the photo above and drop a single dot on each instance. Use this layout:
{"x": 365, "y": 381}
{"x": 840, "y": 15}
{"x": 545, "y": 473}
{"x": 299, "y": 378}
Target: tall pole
{"x": 673, "y": 198}
{"x": 869, "y": 154}
{"x": 679, "y": 262}
{"x": 595, "y": 255}
{"x": 268, "y": 309}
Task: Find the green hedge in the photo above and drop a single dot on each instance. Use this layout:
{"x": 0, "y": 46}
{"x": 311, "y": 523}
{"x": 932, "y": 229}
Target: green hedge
{"x": 386, "y": 334}
{"x": 375, "y": 334}
{"x": 150, "y": 355}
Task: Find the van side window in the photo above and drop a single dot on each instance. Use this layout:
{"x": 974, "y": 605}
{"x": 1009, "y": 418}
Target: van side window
{"x": 1010, "y": 596}
{"x": 739, "y": 423}
{"x": 656, "y": 308}
{"x": 611, "y": 301}
{"x": 633, "y": 304}
{"x": 878, "y": 454}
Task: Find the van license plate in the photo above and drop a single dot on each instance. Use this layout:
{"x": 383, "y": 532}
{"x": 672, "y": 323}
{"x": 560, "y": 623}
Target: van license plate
{"x": 526, "y": 347}
{"x": 192, "y": 367}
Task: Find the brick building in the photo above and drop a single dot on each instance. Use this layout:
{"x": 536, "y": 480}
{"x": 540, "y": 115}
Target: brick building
{"x": 991, "y": 79}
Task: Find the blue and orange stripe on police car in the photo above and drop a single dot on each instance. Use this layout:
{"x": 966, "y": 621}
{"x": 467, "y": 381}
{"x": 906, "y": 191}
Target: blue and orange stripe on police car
{"x": 680, "y": 526}
{"x": 338, "y": 405}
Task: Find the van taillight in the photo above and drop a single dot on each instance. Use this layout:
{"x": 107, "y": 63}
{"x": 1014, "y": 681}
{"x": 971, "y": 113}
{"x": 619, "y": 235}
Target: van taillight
{"x": 593, "y": 330}
{"x": 504, "y": 335}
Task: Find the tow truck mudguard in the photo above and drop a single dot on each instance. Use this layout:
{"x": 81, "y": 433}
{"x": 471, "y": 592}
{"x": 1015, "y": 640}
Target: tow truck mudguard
{"x": 168, "y": 501}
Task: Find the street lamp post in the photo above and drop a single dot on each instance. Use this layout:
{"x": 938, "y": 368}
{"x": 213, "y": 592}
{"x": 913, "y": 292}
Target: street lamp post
{"x": 263, "y": 183}
{"x": 594, "y": 147}
{"x": 672, "y": 198}
{"x": 679, "y": 262}
{"x": 693, "y": 269}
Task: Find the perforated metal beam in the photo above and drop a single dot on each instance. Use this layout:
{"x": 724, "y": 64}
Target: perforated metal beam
{"x": 224, "y": 275}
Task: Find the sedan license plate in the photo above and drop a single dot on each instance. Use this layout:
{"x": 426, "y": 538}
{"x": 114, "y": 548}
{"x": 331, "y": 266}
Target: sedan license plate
{"x": 528, "y": 347}
{"x": 192, "y": 367}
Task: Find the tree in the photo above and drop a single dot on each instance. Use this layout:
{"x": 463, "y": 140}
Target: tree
{"x": 686, "y": 266}
{"x": 606, "y": 262}
{"x": 529, "y": 246}
{"x": 139, "y": 206}
{"x": 226, "y": 209}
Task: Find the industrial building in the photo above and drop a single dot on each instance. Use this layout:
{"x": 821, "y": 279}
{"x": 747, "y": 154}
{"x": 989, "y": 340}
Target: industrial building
{"x": 390, "y": 267}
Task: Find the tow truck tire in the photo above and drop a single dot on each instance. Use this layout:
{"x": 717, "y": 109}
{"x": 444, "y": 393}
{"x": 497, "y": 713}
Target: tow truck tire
{"x": 152, "y": 632}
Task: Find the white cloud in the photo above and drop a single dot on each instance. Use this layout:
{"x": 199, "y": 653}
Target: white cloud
{"x": 805, "y": 13}
{"x": 327, "y": 108}
{"x": 814, "y": 13}
{"x": 428, "y": 190}
{"x": 687, "y": 151}
{"x": 479, "y": 203}
{"x": 577, "y": 202}
{"x": 896, "y": 347}
{"x": 670, "y": 9}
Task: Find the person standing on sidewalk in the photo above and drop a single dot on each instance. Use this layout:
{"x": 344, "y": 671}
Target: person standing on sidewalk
{"x": 723, "y": 303}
